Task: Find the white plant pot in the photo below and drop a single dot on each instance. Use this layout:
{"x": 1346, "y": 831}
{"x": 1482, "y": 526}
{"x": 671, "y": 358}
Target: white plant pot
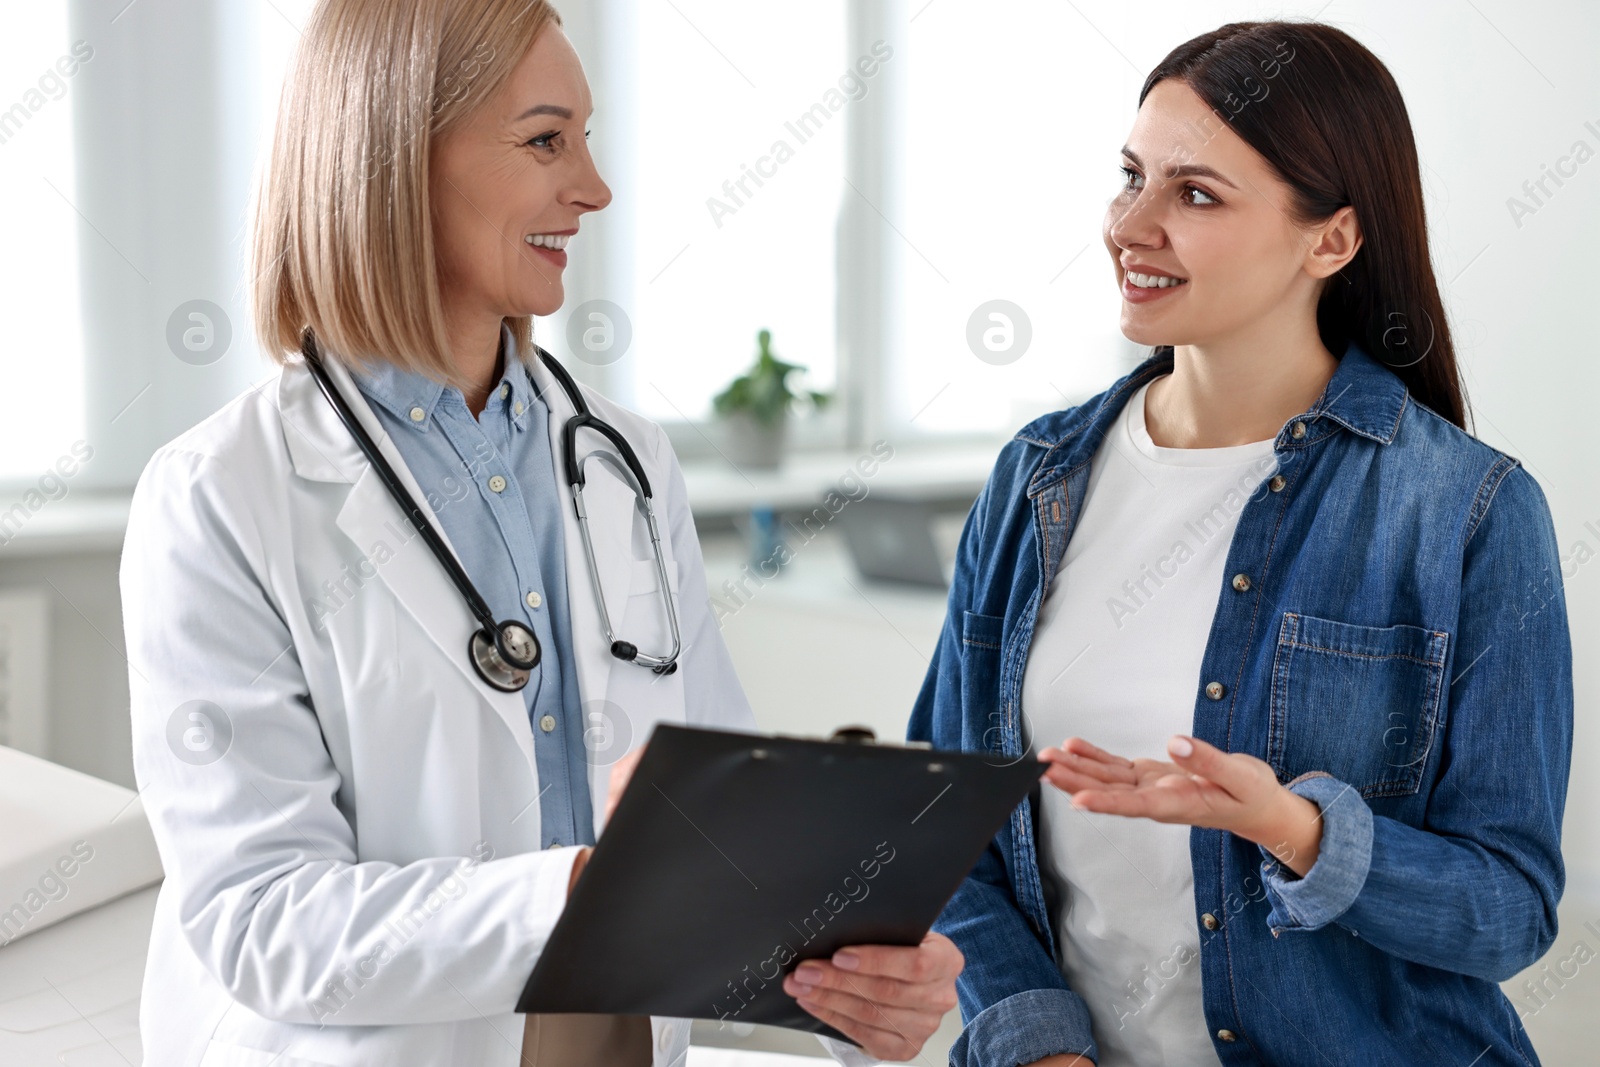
{"x": 756, "y": 445}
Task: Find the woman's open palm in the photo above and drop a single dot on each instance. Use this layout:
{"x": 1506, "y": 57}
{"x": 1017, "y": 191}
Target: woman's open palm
{"x": 1220, "y": 790}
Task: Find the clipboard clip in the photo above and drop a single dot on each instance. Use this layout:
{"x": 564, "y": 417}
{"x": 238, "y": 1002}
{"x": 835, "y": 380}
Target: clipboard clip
{"x": 864, "y": 735}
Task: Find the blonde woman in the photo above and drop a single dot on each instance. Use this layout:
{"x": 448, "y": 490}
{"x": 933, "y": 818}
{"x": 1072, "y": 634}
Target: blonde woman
{"x": 371, "y": 803}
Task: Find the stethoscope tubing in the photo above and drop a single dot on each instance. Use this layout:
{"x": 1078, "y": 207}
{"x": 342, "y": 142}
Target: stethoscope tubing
{"x": 391, "y": 481}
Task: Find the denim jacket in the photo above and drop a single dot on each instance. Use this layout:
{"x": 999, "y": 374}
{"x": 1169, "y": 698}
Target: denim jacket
{"x": 1399, "y": 655}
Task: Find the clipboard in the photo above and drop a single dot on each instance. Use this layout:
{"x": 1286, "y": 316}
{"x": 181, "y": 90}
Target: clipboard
{"x": 732, "y": 857}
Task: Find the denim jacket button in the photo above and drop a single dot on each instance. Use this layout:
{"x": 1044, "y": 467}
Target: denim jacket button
{"x": 1209, "y": 921}
{"x": 1214, "y": 690}
{"x": 1298, "y": 430}
{"x": 1227, "y": 1035}
{"x": 1277, "y": 483}
{"x": 1241, "y": 583}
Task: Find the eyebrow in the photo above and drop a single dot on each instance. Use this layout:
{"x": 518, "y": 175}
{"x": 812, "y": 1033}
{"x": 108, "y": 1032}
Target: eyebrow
{"x": 545, "y": 109}
{"x": 1188, "y": 170}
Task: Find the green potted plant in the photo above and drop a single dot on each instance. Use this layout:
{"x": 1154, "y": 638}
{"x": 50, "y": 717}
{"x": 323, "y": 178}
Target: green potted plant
{"x": 757, "y": 404}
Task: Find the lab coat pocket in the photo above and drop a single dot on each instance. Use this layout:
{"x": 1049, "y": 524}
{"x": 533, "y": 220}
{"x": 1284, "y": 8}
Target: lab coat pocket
{"x": 645, "y": 617}
{"x": 644, "y": 620}
{"x": 645, "y": 580}
{"x": 1359, "y": 702}
{"x": 637, "y": 697}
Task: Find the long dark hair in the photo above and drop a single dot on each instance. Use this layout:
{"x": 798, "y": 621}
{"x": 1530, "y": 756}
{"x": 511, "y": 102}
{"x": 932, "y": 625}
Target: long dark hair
{"x": 1327, "y": 115}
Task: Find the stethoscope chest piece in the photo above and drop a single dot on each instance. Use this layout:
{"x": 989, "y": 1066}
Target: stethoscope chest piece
{"x": 506, "y": 661}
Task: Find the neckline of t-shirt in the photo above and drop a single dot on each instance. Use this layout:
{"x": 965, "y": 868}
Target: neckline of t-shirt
{"x": 1137, "y": 434}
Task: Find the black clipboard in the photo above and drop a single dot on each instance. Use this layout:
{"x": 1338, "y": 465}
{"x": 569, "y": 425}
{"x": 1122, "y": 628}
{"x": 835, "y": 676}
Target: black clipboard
{"x": 732, "y": 857}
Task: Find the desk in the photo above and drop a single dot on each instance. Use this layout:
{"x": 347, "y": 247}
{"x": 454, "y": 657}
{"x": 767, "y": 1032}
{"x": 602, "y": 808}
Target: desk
{"x": 818, "y": 646}
{"x": 69, "y": 994}
{"x": 719, "y": 486}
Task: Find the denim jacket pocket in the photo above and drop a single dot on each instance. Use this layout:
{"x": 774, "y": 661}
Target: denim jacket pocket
{"x": 1359, "y": 702}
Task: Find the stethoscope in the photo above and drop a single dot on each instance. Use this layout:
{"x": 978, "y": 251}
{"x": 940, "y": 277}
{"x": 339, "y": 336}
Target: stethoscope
{"x": 505, "y": 653}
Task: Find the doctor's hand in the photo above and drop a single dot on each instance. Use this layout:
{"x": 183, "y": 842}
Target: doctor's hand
{"x": 578, "y": 864}
{"x": 1203, "y": 786}
{"x": 887, "y": 998}
{"x": 621, "y": 771}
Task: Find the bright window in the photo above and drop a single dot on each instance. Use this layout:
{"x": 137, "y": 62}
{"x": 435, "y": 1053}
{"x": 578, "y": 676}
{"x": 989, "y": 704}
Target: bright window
{"x": 39, "y": 301}
{"x": 739, "y": 163}
{"x": 1010, "y": 165}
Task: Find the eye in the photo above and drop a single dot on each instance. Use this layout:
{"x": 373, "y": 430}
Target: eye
{"x": 1206, "y": 198}
{"x": 1130, "y": 176}
{"x": 544, "y": 139}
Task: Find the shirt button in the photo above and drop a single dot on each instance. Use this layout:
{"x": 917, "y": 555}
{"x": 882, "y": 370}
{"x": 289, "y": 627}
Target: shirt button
{"x": 516, "y": 409}
{"x": 1227, "y": 1035}
{"x": 505, "y": 390}
{"x": 553, "y": 844}
{"x": 1214, "y": 690}
{"x": 1241, "y": 582}
{"x": 497, "y": 484}
{"x": 1297, "y": 430}
{"x": 1277, "y": 483}
{"x": 533, "y": 598}
{"x": 547, "y": 723}
{"x": 1209, "y": 921}
{"x": 417, "y": 414}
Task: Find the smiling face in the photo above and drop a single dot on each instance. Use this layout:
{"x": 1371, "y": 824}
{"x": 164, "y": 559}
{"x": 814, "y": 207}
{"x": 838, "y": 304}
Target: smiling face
{"x": 1201, "y": 233}
{"x": 509, "y": 185}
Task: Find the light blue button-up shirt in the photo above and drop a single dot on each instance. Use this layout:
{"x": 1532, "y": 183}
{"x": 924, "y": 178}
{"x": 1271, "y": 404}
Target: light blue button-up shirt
{"x": 492, "y": 486}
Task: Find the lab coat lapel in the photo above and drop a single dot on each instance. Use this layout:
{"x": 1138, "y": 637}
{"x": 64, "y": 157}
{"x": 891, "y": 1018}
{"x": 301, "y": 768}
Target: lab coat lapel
{"x": 322, "y": 449}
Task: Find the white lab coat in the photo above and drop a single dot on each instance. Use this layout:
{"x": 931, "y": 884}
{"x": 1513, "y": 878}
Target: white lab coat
{"x": 357, "y": 878}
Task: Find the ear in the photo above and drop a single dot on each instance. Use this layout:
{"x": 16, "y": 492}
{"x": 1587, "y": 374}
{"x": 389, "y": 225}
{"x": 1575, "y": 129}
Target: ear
{"x": 1334, "y": 243}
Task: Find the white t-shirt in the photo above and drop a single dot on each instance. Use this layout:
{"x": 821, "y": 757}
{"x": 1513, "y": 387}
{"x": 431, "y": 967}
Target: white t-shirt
{"x": 1116, "y": 660}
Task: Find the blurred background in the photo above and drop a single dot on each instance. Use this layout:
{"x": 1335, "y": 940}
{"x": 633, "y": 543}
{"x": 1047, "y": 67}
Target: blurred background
{"x": 957, "y": 189}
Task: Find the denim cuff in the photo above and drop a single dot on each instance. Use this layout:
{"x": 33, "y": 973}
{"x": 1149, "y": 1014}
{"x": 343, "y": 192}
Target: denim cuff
{"x": 1026, "y": 1027}
{"x": 1343, "y": 859}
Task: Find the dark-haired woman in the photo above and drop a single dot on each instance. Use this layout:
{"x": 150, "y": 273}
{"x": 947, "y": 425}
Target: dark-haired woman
{"x": 1273, "y": 557}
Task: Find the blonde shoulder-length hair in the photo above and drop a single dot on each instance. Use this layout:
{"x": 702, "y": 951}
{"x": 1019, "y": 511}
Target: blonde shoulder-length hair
{"x": 342, "y": 239}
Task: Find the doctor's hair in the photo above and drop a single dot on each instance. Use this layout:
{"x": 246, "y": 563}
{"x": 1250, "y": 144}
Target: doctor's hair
{"x": 1326, "y": 114}
{"x": 343, "y": 240}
